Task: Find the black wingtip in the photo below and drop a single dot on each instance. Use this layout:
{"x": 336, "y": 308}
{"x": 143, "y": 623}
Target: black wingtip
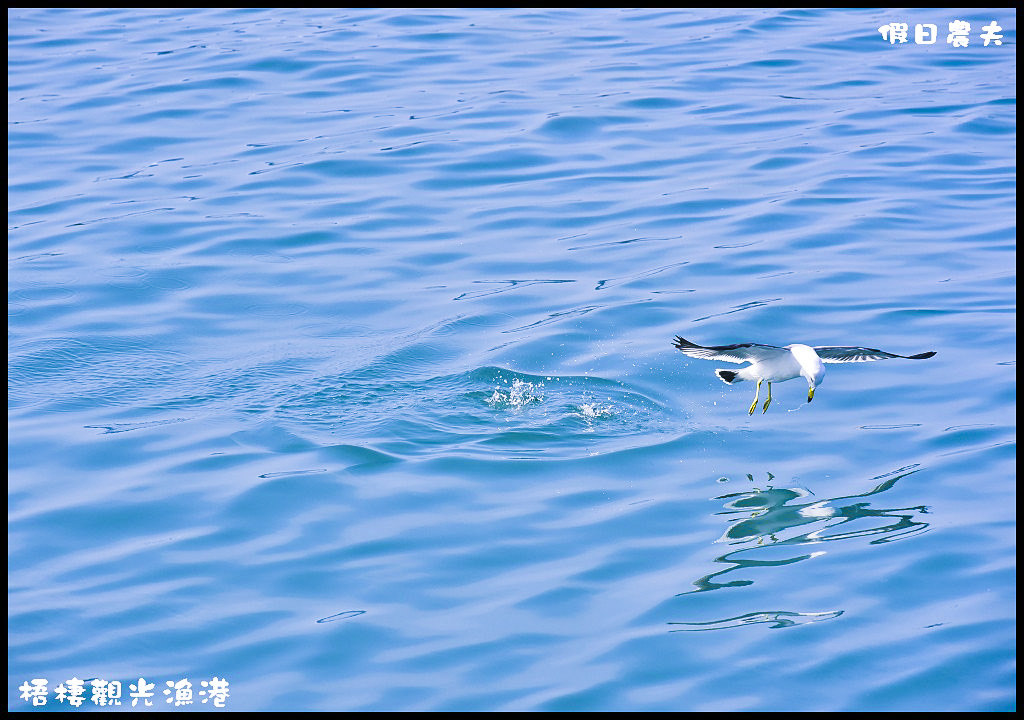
{"x": 921, "y": 356}
{"x": 680, "y": 343}
{"x": 727, "y": 376}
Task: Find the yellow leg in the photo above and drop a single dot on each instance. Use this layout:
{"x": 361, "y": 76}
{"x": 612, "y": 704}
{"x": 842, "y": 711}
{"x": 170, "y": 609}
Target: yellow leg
{"x": 756, "y": 394}
{"x": 768, "y": 401}
{"x": 810, "y": 393}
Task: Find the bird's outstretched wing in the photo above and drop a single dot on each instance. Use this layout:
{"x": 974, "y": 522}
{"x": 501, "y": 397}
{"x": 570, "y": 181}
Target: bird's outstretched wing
{"x": 861, "y": 354}
{"x": 741, "y": 353}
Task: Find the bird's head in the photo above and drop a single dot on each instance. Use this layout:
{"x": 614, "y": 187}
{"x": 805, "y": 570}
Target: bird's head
{"x": 811, "y": 367}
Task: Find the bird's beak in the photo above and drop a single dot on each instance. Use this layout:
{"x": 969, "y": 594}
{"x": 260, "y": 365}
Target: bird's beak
{"x": 810, "y": 394}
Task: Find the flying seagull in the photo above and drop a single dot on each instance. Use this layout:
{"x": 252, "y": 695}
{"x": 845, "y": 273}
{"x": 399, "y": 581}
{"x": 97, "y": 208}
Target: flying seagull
{"x": 769, "y": 363}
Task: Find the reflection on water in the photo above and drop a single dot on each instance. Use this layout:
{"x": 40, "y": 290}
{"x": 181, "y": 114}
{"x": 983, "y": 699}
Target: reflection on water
{"x": 780, "y": 619}
{"x": 765, "y": 520}
{"x": 769, "y": 512}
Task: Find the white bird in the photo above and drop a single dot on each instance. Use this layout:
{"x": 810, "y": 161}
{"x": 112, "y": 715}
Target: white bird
{"x": 769, "y": 363}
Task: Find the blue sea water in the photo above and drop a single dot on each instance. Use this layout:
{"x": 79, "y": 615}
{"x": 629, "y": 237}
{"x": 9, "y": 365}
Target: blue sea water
{"x": 340, "y": 364}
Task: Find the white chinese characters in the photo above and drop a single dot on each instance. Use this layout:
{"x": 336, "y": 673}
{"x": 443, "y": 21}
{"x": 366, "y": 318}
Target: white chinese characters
{"x": 101, "y": 693}
{"x": 958, "y": 36}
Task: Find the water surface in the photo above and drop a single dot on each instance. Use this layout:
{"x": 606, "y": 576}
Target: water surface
{"x": 340, "y": 365}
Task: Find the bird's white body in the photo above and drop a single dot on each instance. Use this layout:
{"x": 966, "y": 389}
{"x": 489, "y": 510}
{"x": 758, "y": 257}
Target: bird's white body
{"x": 801, "y": 360}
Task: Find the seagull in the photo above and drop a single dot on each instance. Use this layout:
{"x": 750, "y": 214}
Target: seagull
{"x": 769, "y": 363}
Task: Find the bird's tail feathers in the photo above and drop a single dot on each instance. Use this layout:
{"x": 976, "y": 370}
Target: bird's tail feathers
{"x": 728, "y": 376}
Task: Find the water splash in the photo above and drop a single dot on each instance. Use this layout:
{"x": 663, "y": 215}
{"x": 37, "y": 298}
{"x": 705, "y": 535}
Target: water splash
{"x": 592, "y": 413}
{"x": 484, "y": 410}
{"x": 517, "y": 395}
